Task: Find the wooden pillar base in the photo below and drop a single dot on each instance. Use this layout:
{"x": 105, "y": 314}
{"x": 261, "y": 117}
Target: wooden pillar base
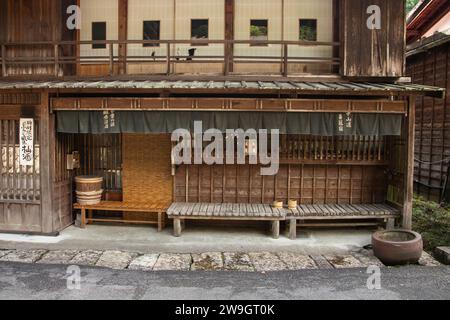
{"x": 276, "y": 229}
{"x": 177, "y": 227}
{"x": 293, "y": 229}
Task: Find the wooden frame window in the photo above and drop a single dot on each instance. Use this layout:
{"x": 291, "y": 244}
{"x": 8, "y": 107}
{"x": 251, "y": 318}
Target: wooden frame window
{"x": 152, "y": 31}
{"x": 308, "y": 30}
{"x": 199, "y": 30}
{"x": 99, "y": 34}
{"x": 259, "y": 30}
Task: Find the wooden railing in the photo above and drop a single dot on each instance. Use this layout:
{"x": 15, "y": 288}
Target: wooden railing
{"x": 63, "y": 58}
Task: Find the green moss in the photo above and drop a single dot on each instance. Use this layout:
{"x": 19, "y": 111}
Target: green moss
{"x": 433, "y": 222}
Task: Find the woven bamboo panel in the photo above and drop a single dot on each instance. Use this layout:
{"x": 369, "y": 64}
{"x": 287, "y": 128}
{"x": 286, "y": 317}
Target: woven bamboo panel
{"x": 147, "y": 172}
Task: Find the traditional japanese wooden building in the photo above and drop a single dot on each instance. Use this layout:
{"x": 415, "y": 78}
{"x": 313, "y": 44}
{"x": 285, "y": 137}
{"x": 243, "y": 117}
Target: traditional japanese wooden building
{"x": 113, "y": 91}
{"x": 428, "y": 53}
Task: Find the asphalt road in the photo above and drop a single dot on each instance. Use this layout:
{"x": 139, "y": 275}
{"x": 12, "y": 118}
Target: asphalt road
{"x": 34, "y": 281}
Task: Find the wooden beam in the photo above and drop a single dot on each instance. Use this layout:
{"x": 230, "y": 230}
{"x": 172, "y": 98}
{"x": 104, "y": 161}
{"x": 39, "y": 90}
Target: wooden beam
{"x": 409, "y": 165}
{"x": 4, "y": 73}
{"x": 229, "y": 35}
{"x": 237, "y": 104}
{"x": 46, "y": 165}
{"x": 336, "y": 32}
{"x": 123, "y": 35}
{"x": 78, "y": 47}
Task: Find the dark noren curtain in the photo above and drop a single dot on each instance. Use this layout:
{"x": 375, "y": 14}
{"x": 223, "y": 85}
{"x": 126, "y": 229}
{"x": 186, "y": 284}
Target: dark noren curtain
{"x": 325, "y": 124}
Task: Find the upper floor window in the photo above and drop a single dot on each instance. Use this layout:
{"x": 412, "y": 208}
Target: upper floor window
{"x": 308, "y": 30}
{"x": 259, "y": 30}
{"x": 199, "y": 29}
{"x": 151, "y": 32}
{"x": 99, "y": 34}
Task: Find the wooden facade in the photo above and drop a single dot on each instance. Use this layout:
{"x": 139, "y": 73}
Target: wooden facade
{"x": 46, "y": 74}
{"x": 229, "y": 49}
{"x": 428, "y": 64}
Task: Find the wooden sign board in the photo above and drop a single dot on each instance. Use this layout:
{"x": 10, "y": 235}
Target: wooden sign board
{"x": 26, "y": 134}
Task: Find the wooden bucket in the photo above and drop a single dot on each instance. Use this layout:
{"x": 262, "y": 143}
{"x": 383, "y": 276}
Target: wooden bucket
{"x": 277, "y": 205}
{"x": 89, "y": 190}
{"x": 292, "y": 204}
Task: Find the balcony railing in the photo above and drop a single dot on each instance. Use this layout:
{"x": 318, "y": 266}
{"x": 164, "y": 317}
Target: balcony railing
{"x": 68, "y": 58}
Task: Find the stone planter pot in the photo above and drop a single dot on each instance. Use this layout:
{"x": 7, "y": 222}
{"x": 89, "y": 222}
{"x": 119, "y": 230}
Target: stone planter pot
{"x": 397, "y": 247}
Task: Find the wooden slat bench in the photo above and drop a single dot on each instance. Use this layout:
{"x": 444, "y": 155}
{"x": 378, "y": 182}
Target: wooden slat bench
{"x": 342, "y": 212}
{"x": 180, "y": 212}
{"x": 116, "y": 206}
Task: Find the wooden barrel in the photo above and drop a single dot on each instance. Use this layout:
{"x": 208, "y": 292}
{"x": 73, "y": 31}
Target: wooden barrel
{"x": 89, "y": 189}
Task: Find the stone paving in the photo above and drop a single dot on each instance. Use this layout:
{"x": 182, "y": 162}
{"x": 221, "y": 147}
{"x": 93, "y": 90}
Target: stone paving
{"x": 209, "y": 261}
{"x": 58, "y": 257}
{"x": 116, "y": 259}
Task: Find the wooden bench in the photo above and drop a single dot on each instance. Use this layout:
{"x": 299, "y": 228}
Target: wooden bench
{"x": 180, "y": 212}
{"x": 116, "y": 206}
{"x": 343, "y": 213}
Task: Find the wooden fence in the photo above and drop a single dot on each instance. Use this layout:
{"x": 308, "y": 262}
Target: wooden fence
{"x": 17, "y": 58}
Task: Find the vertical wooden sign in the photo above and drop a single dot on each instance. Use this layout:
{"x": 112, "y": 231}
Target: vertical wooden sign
{"x": 26, "y": 135}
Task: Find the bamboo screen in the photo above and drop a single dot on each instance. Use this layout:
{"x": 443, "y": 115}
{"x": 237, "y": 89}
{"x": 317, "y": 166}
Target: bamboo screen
{"x": 17, "y": 183}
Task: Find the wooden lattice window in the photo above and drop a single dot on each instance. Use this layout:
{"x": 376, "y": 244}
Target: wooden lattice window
{"x": 101, "y": 155}
{"x": 17, "y": 182}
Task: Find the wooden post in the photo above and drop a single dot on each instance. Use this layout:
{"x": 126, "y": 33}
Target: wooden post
{"x": 177, "y": 227}
{"x": 90, "y": 216}
{"x": 285, "y": 60}
{"x": 226, "y": 62}
{"x": 56, "y": 52}
{"x": 111, "y": 59}
{"x": 168, "y": 72}
{"x": 276, "y": 229}
{"x": 46, "y": 164}
{"x": 83, "y": 218}
{"x": 229, "y": 35}
{"x": 4, "y": 73}
{"x": 336, "y": 33}
{"x": 293, "y": 229}
{"x": 159, "y": 221}
{"x": 123, "y": 35}
{"x": 409, "y": 165}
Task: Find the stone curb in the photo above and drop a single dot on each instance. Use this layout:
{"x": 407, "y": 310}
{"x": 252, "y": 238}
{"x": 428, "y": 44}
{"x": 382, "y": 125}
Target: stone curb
{"x": 209, "y": 261}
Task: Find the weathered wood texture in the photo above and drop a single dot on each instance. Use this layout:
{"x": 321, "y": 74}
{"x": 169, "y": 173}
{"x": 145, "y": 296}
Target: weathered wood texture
{"x": 226, "y": 211}
{"x": 62, "y": 182}
{"x": 432, "y": 123}
{"x": 229, "y": 34}
{"x": 377, "y": 52}
{"x": 34, "y": 21}
{"x": 20, "y": 190}
{"x": 238, "y": 104}
{"x": 343, "y": 211}
{"x": 308, "y": 184}
{"x": 144, "y": 209}
{"x": 123, "y": 35}
{"x": 359, "y": 150}
{"x": 396, "y": 171}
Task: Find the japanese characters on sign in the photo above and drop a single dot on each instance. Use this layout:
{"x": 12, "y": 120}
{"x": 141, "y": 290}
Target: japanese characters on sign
{"x": 109, "y": 119}
{"x": 26, "y": 134}
{"x": 345, "y": 122}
